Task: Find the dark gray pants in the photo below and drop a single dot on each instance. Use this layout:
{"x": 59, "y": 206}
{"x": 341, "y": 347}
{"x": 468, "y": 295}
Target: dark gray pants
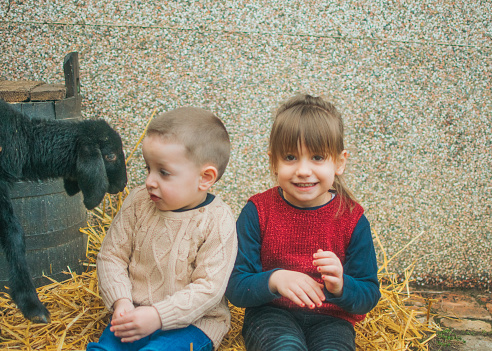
{"x": 269, "y": 328}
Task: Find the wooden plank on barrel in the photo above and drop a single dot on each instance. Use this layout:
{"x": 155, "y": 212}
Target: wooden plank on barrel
{"x": 17, "y": 91}
{"x": 72, "y": 74}
{"x": 48, "y": 92}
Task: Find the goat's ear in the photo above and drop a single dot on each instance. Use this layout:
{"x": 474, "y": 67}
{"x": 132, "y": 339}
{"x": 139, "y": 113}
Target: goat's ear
{"x": 71, "y": 186}
{"x": 91, "y": 175}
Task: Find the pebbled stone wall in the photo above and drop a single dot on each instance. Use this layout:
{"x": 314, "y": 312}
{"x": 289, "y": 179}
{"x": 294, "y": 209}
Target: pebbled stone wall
{"x": 413, "y": 81}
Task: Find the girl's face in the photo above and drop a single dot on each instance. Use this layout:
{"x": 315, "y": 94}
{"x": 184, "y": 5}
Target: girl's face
{"x": 305, "y": 178}
{"x": 173, "y": 180}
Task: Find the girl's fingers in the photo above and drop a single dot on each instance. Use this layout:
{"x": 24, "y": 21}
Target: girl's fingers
{"x": 324, "y": 254}
{"x": 292, "y": 296}
{"x": 330, "y": 270}
{"x": 307, "y": 301}
{"x": 299, "y": 296}
{"x": 311, "y": 293}
{"x": 326, "y": 262}
{"x": 315, "y": 299}
{"x": 330, "y": 279}
{"x": 317, "y": 293}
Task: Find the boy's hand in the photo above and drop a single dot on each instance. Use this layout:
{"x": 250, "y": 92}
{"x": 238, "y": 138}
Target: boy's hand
{"x": 331, "y": 269}
{"x": 297, "y": 287}
{"x": 122, "y": 306}
{"x": 136, "y": 324}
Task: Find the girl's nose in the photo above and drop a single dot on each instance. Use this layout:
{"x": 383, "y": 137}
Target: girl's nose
{"x": 303, "y": 169}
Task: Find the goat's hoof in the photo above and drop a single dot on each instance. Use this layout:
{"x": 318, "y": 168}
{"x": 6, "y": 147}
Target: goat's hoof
{"x": 37, "y": 313}
{"x": 44, "y": 319}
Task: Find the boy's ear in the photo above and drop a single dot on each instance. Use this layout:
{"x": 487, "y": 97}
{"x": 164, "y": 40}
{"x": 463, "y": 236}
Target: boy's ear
{"x": 208, "y": 176}
{"x": 342, "y": 162}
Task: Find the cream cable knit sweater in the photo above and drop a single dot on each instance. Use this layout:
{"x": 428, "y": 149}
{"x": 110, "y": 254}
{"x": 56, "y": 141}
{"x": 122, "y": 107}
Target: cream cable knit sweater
{"x": 178, "y": 262}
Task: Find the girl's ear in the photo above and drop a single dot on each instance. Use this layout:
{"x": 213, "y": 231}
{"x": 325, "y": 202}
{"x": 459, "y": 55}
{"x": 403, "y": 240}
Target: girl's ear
{"x": 342, "y": 162}
{"x": 208, "y": 176}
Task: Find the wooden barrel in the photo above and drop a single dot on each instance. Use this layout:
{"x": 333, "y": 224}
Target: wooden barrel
{"x": 51, "y": 221}
{"x": 50, "y": 218}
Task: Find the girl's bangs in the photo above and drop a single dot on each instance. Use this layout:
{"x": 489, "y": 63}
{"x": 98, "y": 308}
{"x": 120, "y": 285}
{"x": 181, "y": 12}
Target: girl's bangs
{"x": 310, "y": 128}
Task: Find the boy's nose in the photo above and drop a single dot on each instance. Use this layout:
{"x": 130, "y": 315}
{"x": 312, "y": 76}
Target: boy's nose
{"x": 149, "y": 181}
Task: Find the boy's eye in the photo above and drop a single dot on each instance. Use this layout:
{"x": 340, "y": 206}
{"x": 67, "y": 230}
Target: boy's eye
{"x": 318, "y": 158}
{"x": 289, "y": 157}
{"x": 162, "y": 171}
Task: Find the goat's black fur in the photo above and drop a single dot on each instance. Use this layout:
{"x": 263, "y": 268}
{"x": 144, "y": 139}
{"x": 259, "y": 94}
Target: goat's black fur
{"x": 88, "y": 155}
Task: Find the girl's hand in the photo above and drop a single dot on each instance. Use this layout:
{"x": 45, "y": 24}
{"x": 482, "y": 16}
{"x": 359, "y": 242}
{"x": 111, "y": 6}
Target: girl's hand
{"x": 136, "y": 324}
{"x": 331, "y": 269}
{"x": 122, "y": 306}
{"x": 297, "y": 287}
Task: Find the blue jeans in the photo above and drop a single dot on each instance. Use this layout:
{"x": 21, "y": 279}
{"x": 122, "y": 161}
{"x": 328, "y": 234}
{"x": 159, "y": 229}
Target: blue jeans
{"x": 172, "y": 340}
{"x": 270, "y": 328}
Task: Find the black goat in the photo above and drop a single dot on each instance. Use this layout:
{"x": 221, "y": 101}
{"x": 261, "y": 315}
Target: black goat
{"x": 87, "y": 154}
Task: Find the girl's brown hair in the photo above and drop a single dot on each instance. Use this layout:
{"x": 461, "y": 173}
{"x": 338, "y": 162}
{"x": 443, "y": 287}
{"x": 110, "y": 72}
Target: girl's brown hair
{"x": 314, "y": 122}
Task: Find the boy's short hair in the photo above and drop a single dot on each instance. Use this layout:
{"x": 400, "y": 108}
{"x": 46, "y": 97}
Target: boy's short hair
{"x": 201, "y": 132}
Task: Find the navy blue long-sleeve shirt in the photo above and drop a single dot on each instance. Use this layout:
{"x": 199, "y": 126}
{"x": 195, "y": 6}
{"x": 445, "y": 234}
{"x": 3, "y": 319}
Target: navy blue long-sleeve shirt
{"x": 248, "y": 284}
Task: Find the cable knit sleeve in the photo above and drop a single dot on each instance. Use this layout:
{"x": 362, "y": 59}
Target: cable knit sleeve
{"x": 114, "y": 255}
{"x": 212, "y": 268}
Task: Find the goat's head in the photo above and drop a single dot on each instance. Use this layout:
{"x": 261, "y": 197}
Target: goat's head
{"x": 100, "y": 164}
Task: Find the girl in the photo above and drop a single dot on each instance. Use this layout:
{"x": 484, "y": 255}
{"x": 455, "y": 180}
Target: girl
{"x": 306, "y": 268}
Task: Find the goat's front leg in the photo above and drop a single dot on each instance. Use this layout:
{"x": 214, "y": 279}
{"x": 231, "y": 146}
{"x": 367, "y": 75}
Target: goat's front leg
{"x": 22, "y": 289}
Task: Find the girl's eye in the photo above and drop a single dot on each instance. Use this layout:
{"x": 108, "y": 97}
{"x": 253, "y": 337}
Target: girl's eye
{"x": 289, "y": 157}
{"x": 318, "y": 158}
{"x": 164, "y": 173}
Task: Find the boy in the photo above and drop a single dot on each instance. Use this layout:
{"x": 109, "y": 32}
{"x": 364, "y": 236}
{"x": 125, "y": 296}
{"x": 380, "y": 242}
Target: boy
{"x": 164, "y": 264}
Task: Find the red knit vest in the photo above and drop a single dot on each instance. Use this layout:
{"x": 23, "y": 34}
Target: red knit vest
{"x": 290, "y": 237}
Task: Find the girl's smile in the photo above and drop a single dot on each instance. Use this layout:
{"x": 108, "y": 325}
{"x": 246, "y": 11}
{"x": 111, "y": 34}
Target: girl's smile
{"x": 305, "y": 185}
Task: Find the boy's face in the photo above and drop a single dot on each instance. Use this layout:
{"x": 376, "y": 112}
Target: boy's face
{"x": 172, "y": 179}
